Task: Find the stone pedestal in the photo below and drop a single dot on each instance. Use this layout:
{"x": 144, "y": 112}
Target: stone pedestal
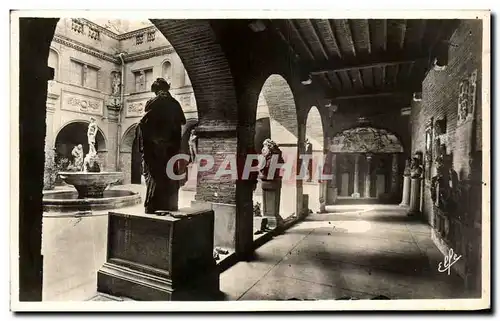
{"x": 323, "y": 195}
{"x": 415, "y": 196}
{"x": 271, "y": 193}
{"x": 405, "y": 201}
{"x": 192, "y": 178}
{"x": 160, "y": 258}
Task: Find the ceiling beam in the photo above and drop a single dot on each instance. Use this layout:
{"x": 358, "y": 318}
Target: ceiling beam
{"x": 402, "y": 91}
{"x": 382, "y": 62}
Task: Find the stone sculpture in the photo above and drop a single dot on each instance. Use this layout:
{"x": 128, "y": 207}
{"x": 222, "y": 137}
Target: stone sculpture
{"x": 77, "y": 154}
{"x": 416, "y": 168}
{"x": 158, "y": 146}
{"x": 115, "y": 85}
{"x": 91, "y": 133}
{"x": 193, "y": 140}
{"x": 269, "y": 149}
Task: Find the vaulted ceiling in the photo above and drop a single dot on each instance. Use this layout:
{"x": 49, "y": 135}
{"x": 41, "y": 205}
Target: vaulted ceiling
{"x": 358, "y": 60}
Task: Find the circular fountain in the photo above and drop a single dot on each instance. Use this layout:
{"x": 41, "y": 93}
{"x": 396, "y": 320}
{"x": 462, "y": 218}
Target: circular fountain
{"x": 90, "y": 184}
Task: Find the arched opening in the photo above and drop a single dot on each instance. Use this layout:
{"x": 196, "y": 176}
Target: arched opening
{"x": 73, "y": 134}
{"x": 277, "y": 119}
{"x": 367, "y": 164}
{"x": 189, "y": 183}
{"x": 314, "y": 147}
{"x": 130, "y": 157}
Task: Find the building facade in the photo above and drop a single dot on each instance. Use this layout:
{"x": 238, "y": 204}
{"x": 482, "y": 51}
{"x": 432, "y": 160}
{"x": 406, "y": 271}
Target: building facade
{"x": 107, "y": 74}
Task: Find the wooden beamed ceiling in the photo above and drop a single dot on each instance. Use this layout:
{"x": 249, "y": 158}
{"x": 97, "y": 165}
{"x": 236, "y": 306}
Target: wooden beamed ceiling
{"x": 364, "y": 58}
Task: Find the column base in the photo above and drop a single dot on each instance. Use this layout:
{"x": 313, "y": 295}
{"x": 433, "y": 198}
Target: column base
{"x": 413, "y": 213}
{"x": 404, "y": 205}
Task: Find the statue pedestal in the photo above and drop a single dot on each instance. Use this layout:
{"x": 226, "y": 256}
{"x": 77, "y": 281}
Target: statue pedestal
{"x": 415, "y": 196}
{"x": 271, "y": 193}
{"x": 405, "y": 201}
{"x": 192, "y": 178}
{"x": 160, "y": 258}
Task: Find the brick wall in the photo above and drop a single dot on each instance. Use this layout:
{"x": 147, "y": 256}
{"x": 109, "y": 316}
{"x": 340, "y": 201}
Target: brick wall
{"x": 440, "y": 99}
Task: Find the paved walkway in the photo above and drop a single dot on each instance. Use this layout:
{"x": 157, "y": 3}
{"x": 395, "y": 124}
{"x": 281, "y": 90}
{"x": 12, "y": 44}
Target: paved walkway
{"x": 355, "y": 253}
{"x": 349, "y": 252}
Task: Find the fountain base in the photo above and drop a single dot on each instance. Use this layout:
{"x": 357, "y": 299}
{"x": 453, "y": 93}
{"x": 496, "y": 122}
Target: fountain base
{"x": 68, "y": 201}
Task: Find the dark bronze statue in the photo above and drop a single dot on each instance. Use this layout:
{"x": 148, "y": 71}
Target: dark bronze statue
{"x": 159, "y": 134}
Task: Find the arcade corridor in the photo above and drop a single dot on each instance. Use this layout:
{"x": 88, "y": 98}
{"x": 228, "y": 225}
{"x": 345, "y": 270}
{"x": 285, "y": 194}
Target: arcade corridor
{"x": 358, "y": 252}
{"x": 417, "y": 86}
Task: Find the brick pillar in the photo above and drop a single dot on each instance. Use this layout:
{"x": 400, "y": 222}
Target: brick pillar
{"x": 233, "y": 211}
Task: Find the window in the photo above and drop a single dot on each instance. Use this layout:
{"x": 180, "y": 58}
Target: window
{"x": 84, "y": 75}
{"x": 151, "y": 36}
{"x": 139, "y": 39}
{"x": 143, "y": 80}
{"x": 76, "y": 26}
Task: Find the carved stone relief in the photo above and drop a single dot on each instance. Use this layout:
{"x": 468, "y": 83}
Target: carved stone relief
{"x": 82, "y": 104}
{"x": 467, "y": 98}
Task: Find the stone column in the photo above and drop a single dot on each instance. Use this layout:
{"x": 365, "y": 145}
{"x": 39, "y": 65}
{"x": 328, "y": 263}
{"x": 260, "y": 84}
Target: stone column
{"x": 356, "y": 176}
{"x": 415, "y": 188}
{"x": 332, "y": 184}
{"x": 405, "y": 201}
{"x": 395, "y": 175}
{"x": 368, "y": 178}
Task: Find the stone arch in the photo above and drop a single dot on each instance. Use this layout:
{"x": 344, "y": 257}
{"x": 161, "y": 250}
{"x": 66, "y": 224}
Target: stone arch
{"x": 130, "y": 157}
{"x": 276, "y": 103}
{"x": 314, "y": 134}
{"x": 127, "y": 139}
{"x": 75, "y": 132}
{"x": 315, "y": 128}
{"x": 215, "y": 96}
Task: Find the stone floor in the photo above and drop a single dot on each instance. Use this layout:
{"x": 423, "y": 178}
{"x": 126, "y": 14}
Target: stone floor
{"x": 359, "y": 251}
{"x": 356, "y": 252}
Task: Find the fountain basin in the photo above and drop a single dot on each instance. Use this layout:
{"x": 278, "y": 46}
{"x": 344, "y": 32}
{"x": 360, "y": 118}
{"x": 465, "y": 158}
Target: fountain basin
{"x": 91, "y": 184}
{"x": 64, "y": 201}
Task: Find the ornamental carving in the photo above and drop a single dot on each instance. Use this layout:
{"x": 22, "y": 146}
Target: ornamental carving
{"x": 135, "y": 108}
{"x": 467, "y": 98}
{"x": 82, "y": 104}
